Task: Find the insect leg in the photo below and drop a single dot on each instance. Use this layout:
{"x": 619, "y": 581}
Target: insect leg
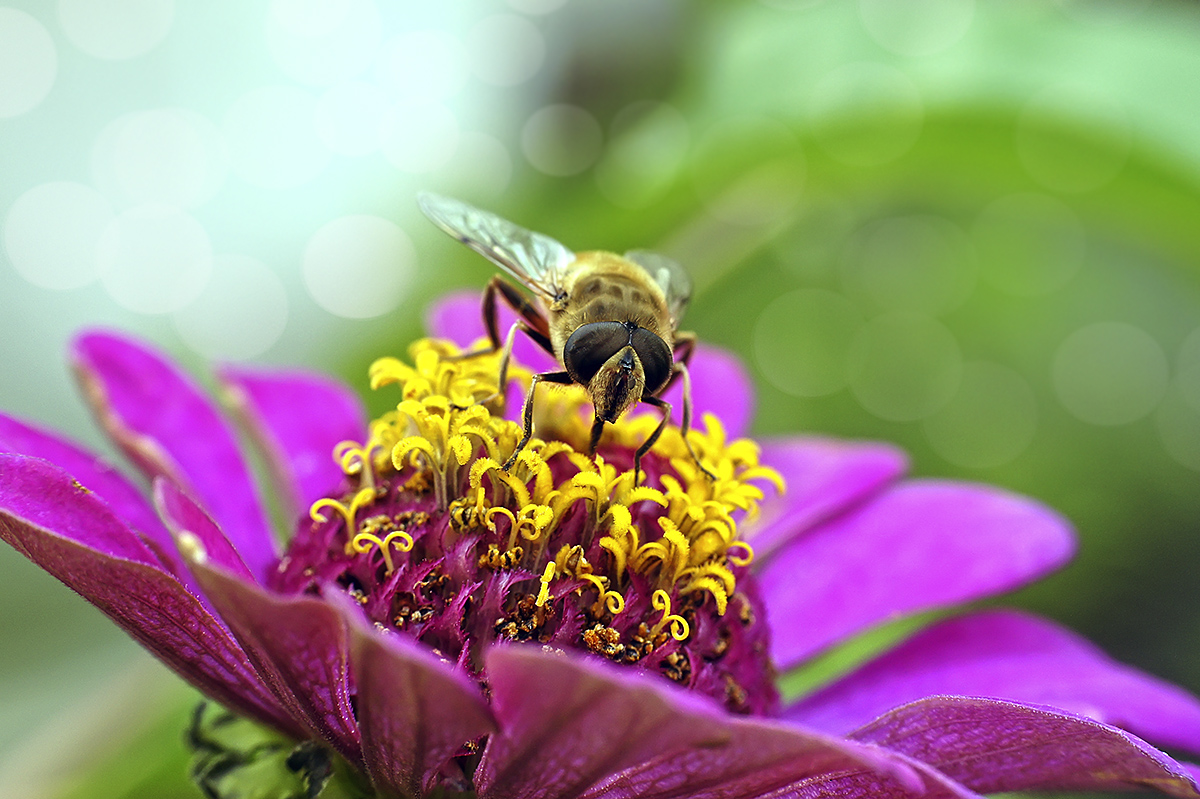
{"x": 490, "y": 323}
{"x": 665, "y": 407}
{"x": 534, "y": 323}
{"x": 685, "y": 347}
{"x": 686, "y": 422}
{"x": 597, "y": 431}
{"x": 531, "y": 321}
{"x": 505, "y": 356}
{"x": 562, "y": 378}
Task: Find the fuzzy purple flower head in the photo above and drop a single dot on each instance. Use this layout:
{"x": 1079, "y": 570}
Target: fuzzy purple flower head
{"x": 559, "y": 629}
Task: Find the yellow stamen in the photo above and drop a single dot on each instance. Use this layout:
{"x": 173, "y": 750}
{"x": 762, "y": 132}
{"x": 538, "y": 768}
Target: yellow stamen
{"x": 364, "y": 497}
{"x": 447, "y": 427}
{"x": 366, "y": 541}
{"x": 717, "y": 587}
{"x": 357, "y": 459}
{"x": 611, "y": 601}
{"x": 614, "y": 602}
{"x": 680, "y": 630}
{"x": 744, "y": 560}
{"x": 547, "y": 575}
{"x": 489, "y": 518}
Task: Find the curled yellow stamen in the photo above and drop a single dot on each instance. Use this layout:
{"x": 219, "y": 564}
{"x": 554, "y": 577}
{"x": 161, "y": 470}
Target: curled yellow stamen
{"x": 534, "y": 520}
{"x": 680, "y": 630}
{"x": 363, "y": 542}
{"x": 599, "y": 582}
{"x": 614, "y": 602}
{"x": 744, "y": 560}
{"x": 489, "y": 518}
{"x": 354, "y": 458}
{"x": 364, "y": 497}
{"x": 530, "y": 522}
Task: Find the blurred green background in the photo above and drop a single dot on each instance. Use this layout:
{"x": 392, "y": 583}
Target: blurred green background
{"x": 971, "y": 228}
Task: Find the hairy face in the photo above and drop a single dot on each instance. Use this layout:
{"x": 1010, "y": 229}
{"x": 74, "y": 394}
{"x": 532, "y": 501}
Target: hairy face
{"x": 618, "y": 384}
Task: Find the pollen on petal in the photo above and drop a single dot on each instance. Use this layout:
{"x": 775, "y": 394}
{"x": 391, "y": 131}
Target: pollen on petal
{"x": 191, "y": 547}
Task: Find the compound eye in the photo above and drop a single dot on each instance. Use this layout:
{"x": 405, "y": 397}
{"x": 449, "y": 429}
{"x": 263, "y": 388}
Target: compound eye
{"x": 590, "y": 346}
{"x": 655, "y": 356}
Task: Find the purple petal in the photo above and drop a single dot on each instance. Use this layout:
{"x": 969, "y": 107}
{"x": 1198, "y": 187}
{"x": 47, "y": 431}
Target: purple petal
{"x": 185, "y": 517}
{"x": 43, "y": 494}
{"x": 296, "y": 418}
{"x": 298, "y": 644}
{"x": 720, "y": 386}
{"x": 105, "y": 482}
{"x": 918, "y": 546}
{"x": 1007, "y": 655}
{"x": 77, "y": 539}
{"x": 163, "y": 422}
{"x": 459, "y": 318}
{"x": 761, "y": 758}
{"x": 415, "y": 711}
{"x": 863, "y": 784}
{"x": 567, "y": 723}
{"x": 824, "y": 477}
{"x": 993, "y": 746}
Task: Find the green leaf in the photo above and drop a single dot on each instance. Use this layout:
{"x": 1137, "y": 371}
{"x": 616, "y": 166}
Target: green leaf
{"x": 233, "y": 758}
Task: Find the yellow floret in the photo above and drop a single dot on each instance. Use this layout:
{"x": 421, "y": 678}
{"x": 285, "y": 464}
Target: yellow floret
{"x": 447, "y": 426}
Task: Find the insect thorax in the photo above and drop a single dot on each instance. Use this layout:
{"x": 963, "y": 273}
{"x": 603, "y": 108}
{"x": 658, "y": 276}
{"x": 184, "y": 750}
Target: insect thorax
{"x": 604, "y": 287}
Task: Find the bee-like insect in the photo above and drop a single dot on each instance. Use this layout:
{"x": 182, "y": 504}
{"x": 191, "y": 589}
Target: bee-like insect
{"x": 611, "y": 321}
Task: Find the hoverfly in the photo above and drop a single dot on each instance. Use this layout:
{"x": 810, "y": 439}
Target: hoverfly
{"x": 611, "y": 321}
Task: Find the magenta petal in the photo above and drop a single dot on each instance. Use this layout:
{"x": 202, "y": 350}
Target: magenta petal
{"x": 824, "y": 477}
{"x": 918, "y": 546}
{"x": 415, "y": 711}
{"x": 42, "y": 494}
{"x": 163, "y": 422}
{"x": 567, "y": 723}
{"x": 993, "y": 746}
{"x": 42, "y": 514}
{"x": 459, "y": 318}
{"x": 762, "y": 758}
{"x": 720, "y": 386}
{"x": 1007, "y": 655}
{"x": 865, "y": 784}
{"x": 185, "y": 517}
{"x": 297, "y": 418}
{"x": 121, "y": 496}
{"x": 298, "y": 644}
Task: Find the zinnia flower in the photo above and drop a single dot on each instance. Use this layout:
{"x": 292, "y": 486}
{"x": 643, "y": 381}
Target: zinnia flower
{"x": 557, "y": 630}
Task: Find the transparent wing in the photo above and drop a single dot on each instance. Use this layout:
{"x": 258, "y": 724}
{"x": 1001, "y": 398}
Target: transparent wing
{"x": 670, "y": 276}
{"x": 537, "y": 261}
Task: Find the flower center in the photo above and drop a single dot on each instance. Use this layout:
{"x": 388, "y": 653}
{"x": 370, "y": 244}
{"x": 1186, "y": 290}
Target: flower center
{"x": 434, "y": 538}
